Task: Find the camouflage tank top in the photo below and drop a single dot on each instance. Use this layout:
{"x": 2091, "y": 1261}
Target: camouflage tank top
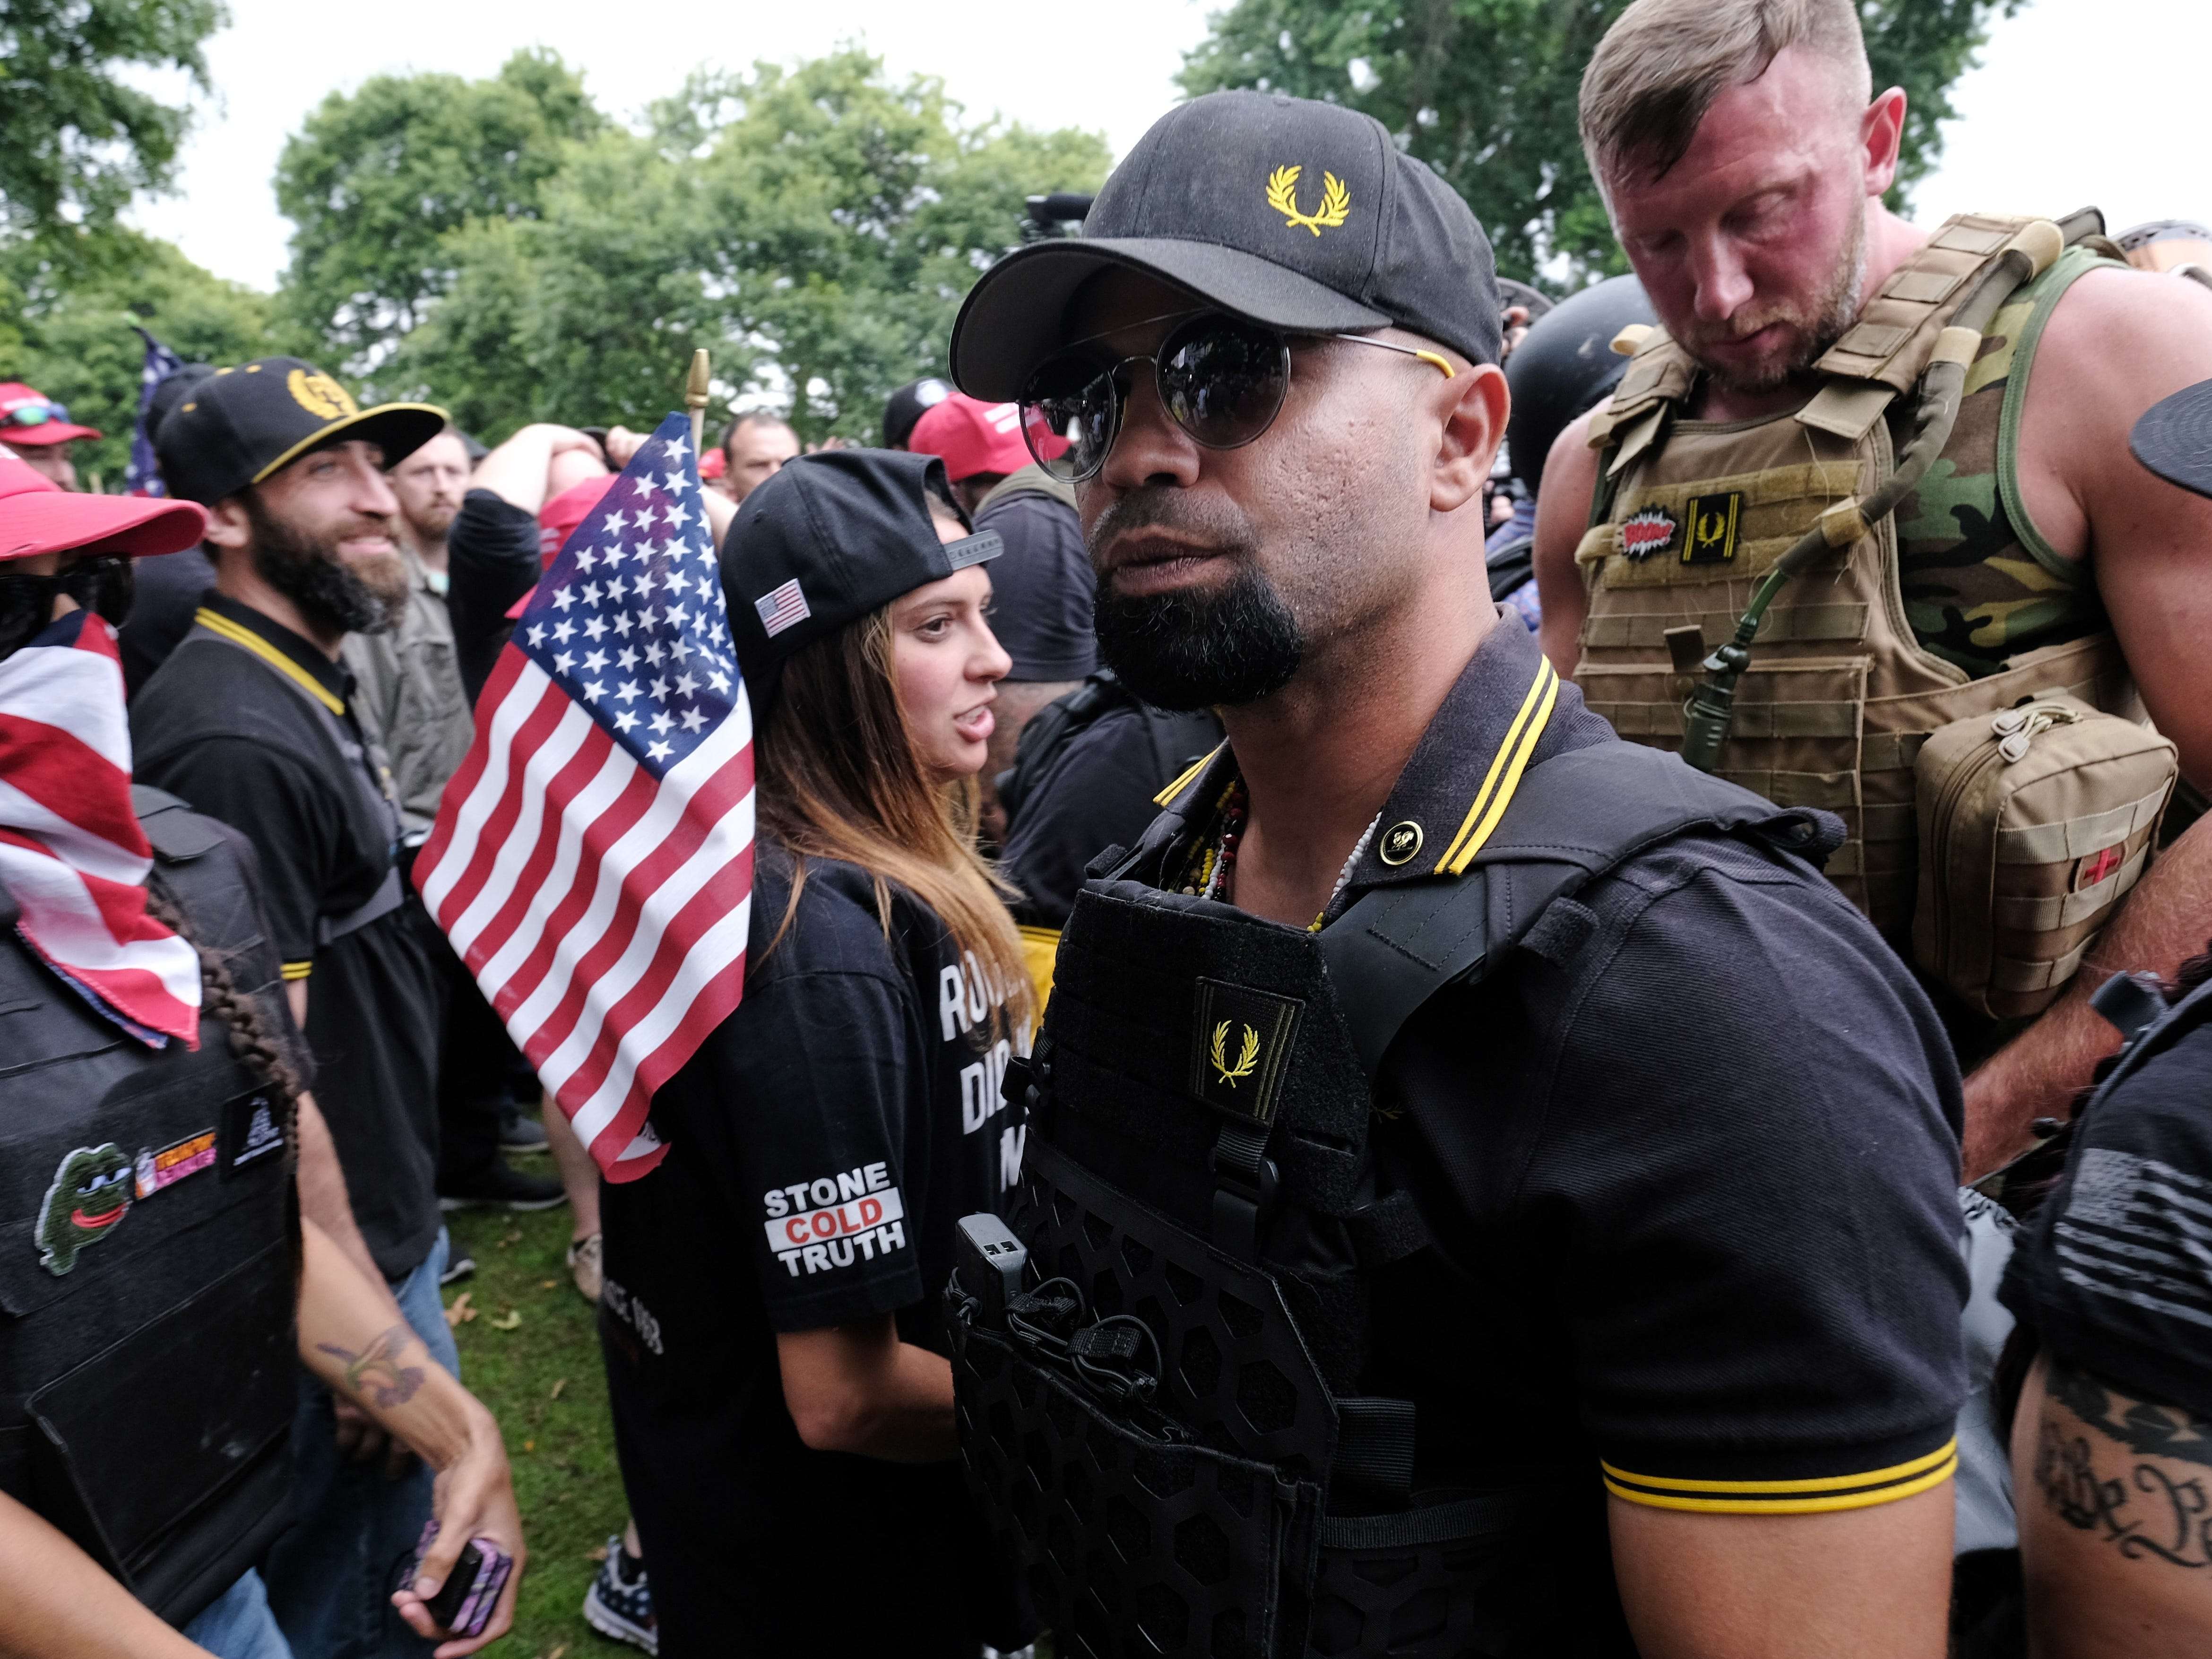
{"x": 1980, "y": 583}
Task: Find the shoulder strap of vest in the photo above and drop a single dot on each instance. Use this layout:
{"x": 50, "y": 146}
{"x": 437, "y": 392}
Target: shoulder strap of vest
{"x": 177, "y": 834}
{"x": 1048, "y": 732}
{"x": 1880, "y": 356}
{"x": 1573, "y": 818}
{"x": 1895, "y": 334}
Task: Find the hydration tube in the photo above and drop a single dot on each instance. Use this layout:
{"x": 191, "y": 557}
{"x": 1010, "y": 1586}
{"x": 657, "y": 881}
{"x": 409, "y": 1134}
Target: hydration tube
{"x": 1709, "y": 711}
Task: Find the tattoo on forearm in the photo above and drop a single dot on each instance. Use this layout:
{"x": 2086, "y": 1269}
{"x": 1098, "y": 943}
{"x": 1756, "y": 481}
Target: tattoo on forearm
{"x": 375, "y": 1374}
{"x": 2173, "y": 1521}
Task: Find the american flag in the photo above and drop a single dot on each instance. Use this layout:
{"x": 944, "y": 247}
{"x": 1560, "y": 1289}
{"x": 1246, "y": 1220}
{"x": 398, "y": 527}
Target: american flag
{"x": 593, "y": 858}
{"x": 143, "y": 476}
{"x": 72, "y": 855}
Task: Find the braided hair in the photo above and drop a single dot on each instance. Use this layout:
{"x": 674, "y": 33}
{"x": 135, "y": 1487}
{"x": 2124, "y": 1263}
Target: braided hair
{"x": 260, "y": 1049}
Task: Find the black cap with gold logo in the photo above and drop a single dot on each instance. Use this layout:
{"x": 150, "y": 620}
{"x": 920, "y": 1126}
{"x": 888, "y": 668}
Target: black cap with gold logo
{"x": 1303, "y": 216}
{"x": 241, "y": 426}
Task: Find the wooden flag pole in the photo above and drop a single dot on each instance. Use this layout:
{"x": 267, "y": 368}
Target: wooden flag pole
{"x": 695, "y": 398}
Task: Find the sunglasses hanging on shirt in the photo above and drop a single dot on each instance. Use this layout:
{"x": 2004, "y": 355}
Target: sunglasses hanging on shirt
{"x": 1221, "y": 379}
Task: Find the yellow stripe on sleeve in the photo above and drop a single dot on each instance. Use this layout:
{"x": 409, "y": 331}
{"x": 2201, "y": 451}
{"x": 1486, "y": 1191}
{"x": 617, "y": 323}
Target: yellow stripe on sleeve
{"x": 1815, "y": 1496}
{"x": 293, "y": 971}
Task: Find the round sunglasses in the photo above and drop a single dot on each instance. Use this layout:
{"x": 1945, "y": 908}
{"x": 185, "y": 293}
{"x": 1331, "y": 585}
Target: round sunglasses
{"x": 1221, "y": 379}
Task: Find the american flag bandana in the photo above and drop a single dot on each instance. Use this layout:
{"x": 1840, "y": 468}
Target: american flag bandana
{"x": 72, "y": 855}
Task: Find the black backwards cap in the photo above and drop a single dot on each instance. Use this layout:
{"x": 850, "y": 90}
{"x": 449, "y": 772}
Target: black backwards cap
{"x": 236, "y": 427}
{"x": 829, "y": 539}
{"x": 2173, "y": 438}
{"x": 1299, "y": 214}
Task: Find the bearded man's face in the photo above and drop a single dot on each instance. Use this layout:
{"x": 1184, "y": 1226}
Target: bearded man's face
{"x": 322, "y": 538}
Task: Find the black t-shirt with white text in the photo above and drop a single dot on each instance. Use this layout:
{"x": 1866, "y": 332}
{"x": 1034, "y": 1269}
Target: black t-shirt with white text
{"x": 822, "y": 1146}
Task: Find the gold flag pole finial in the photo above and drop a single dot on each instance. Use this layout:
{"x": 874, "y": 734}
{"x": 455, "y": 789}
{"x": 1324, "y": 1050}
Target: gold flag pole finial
{"x": 695, "y": 397}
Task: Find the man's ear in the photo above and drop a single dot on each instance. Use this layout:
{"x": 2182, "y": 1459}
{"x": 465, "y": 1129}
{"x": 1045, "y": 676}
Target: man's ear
{"x": 229, "y": 528}
{"x": 1474, "y": 404}
{"x": 1881, "y": 136}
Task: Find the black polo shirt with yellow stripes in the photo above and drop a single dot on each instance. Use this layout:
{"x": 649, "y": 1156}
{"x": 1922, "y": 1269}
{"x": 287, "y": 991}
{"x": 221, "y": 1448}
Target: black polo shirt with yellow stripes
{"x": 1691, "y": 1153}
{"x": 248, "y": 722}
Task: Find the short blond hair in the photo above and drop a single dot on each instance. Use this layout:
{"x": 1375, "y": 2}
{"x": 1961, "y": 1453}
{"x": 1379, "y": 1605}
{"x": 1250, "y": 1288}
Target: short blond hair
{"x": 1663, "y": 62}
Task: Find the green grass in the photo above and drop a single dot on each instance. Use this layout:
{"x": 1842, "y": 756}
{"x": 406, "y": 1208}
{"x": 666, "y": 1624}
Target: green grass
{"x": 561, "y": 1443}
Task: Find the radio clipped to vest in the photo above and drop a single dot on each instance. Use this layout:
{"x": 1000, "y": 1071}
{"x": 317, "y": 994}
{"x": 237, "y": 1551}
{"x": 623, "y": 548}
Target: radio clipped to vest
{"x": 1834, "y": 676}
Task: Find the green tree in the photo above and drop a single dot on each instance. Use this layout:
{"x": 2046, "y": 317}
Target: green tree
{"x": 375, "y": 181}
{"x": 815, "y": 228}
{"x": 77, "y": 139}
{"x": 1484, "y": 92}
{"x": 589, "y": 315}
{"x": 71, "y": 302}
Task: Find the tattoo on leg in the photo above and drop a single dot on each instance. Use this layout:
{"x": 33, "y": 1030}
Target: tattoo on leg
{"x": 375, "y": 1374}
{"x": 2174, "y": 1521}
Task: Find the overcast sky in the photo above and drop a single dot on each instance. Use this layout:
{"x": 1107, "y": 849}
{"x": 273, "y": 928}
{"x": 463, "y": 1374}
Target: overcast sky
{"x": 2076, "y": 101}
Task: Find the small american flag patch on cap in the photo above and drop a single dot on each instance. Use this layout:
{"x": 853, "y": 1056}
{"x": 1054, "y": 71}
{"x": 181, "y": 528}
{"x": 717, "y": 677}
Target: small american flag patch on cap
{"x": 782, "y": 608}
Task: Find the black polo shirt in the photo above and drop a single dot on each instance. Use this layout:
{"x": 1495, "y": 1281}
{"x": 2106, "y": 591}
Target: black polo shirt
{"x": 1691, "y": 1153}
{"x": 230, "y": 724}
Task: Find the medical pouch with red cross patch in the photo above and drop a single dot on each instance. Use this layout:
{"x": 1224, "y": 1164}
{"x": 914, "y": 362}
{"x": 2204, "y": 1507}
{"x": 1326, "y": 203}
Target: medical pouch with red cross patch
{"x": 2034, "y": 821}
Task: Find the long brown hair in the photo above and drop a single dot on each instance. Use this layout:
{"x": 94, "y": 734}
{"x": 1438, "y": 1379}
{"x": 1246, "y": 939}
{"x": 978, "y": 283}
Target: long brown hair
{"x": 840, "y": 777}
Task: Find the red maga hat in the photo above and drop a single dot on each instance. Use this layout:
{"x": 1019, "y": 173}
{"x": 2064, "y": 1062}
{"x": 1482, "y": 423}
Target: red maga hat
{"x": 38, "y": 516}
{"x": 28, "y": 417}
{"x": 971, "y": 436}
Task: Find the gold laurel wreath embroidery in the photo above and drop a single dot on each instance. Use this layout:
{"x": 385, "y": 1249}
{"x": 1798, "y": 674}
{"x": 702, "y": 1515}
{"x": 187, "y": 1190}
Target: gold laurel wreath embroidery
{"x": 1245, "y": 1060}
{"x": 1283, "y": 197}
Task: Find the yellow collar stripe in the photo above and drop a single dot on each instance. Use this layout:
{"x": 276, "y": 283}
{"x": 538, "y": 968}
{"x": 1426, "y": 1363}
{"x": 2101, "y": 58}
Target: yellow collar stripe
{"x": 217, "y": 624}
{"x": 1813, "y": 1497}
{"x": 1505, "y": 770}
{"x": 1184, "y": 782}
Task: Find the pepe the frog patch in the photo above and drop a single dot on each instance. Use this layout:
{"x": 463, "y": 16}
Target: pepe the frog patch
{"x": 91, "y": 1193}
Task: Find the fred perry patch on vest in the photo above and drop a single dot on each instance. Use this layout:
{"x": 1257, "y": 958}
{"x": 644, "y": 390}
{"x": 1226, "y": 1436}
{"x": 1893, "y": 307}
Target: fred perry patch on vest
{"x": 1710, "y": 537}
{"x": 1240, "y": 1043}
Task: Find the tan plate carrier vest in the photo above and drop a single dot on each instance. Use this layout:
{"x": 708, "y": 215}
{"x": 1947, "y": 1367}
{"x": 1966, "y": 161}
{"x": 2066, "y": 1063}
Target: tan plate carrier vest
{"x": 1839, "y": 696}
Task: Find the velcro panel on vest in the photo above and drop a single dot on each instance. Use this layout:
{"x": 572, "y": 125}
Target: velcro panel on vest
{"x": 1659, "y": 373}
{"x": 1778, "y": 505}
{"x": 1897, "y": 331}
{"x": 1127, "y": 1050}
{"x": 1796, "y": 740}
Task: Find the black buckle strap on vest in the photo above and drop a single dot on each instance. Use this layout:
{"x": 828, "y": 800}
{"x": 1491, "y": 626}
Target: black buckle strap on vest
{"x": 1573, "y": 818}
{"x": 1374, "y": 1467}
{"x": 1244, "y": 1183}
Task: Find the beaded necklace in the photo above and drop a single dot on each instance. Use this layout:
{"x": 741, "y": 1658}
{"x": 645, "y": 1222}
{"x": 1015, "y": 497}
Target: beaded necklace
{"x": 1212, "y": 872}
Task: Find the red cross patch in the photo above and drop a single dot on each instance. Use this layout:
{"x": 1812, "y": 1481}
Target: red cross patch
{"x": 2096, "y": 866}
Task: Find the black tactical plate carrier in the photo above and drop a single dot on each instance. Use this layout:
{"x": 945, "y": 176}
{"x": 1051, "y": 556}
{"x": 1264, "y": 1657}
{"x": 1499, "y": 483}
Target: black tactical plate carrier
{"x": 1167, "y": 1426}
{"x": 148, "y": 1271}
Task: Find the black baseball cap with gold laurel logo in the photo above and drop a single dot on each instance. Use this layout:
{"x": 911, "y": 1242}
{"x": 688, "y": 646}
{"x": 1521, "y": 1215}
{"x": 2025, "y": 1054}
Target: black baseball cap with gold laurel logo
{"x": 1303, "y": 216}
{"x": 241, "y": 426}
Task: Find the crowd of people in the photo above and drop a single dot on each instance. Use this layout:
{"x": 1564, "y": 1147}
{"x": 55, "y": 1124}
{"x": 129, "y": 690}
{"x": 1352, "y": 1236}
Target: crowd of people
{"x": 1429, "y": 973}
